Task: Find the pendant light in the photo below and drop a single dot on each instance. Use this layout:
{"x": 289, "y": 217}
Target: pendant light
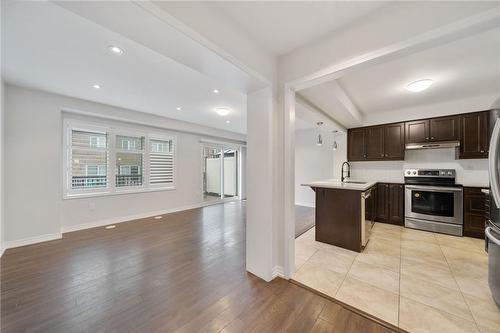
{"x": 335, "y": 146}
{"x": 319, "y": 142}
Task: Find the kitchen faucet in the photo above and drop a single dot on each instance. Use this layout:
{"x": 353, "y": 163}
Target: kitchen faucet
{"x": 342, "y": 178}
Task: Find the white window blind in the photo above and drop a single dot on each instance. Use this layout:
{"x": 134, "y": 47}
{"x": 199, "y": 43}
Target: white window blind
{"x": 161, "y": 162}
{"x": 129, "y": 160}
{"x": 89, "y": 160}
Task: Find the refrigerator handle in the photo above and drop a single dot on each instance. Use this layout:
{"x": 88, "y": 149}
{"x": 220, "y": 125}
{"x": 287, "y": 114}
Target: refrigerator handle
{"x": 493, "y": 163}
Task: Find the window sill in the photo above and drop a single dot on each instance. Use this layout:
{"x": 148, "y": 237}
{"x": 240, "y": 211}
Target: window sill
{"x": 68, "y": 196}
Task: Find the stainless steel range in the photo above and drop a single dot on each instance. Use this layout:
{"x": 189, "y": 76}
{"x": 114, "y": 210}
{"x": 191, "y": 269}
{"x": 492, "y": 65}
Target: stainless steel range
{"x": 433, "y": 201}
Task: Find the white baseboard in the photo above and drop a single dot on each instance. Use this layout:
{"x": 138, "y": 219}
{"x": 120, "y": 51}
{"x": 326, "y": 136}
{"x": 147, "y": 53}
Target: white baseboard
{"x": 305, "y": 204}
{"x": 278, "y": 271}
{"x": 127, "y": 218}
{"x": 30, "y": 240}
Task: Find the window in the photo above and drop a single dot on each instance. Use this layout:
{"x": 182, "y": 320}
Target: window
{"x": 161, "y": 162}
{"x": 129, "y": 159}
{"x": 106, "y": 160}
{"x": 89, "y": 160}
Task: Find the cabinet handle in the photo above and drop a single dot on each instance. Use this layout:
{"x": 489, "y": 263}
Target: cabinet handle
{"x": 427, "y": 138}
{"x": 482, "y": 151}
{"x": 382, "y": 155}
{"x": 432, "y": 138}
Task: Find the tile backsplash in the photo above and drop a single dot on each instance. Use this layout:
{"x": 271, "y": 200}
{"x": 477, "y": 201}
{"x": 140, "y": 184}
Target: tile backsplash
{"x": 469, "y": 172}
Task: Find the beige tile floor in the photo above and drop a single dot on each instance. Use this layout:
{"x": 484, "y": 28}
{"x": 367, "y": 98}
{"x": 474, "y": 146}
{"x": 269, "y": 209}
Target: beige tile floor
{"x": 416, "y": 280}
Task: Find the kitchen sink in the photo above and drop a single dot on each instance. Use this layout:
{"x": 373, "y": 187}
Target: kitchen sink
{"x": 353, "y": 182}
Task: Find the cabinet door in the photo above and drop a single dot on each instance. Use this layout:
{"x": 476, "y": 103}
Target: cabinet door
{"x": 396, "y": 204}
{"x": 474, "y": 139}
{"x": 356, "y": 144}
{"x": 444, "y": 128}
{"x": 474, "y": 212}
{"x": 417, "y": 131}
{"x": 394, "y": 141}
{"x": 381, "y": 202}
{"x": 374, "y": 143}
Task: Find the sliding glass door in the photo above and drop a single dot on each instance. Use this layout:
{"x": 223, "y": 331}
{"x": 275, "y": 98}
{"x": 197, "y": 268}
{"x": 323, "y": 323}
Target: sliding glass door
{"x": 221, "y": 172}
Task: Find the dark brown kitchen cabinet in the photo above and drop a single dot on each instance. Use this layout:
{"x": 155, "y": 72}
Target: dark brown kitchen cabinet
{"x": 474, "y": 138}
{"x": 390, "y": 203}
{"x": 444, "y": 128}
{"x": 356, "y": 144}
{"x": 374, "y": 146}
{"x": 394, "y": 141}
{"x": 432, "y": 130}
{"x": 417, "y": 131}
{"x": 474, "y": 212}
{"x": 375, "y": 143}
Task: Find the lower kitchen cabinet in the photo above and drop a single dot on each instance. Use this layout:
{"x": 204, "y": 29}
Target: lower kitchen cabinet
{"x": 390, "y": 206}
{"x": 474, "y": 212}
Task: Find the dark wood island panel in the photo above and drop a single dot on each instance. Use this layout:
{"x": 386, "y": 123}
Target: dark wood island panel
{"x": 338, "y": 217}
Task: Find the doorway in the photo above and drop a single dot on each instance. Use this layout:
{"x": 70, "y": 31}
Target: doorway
{"x": 221, "y": 172}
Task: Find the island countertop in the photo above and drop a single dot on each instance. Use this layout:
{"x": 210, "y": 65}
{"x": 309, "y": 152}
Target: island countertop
{"x": 337, "y": 184}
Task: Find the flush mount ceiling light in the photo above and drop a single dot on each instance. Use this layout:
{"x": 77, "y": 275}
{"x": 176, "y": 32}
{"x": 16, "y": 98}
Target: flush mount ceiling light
{"x": 96, "y": 86}
{"x": 227, "y": 122}
{"x": 115, "y": 49}
{"x": 179, "y": 108}
{"x": 419, "y": 85}
{"x": 216, "y": 91}
{"x": 222, "y": 111}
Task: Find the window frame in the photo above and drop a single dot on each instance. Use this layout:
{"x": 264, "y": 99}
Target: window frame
{"x": 112, "y": 132}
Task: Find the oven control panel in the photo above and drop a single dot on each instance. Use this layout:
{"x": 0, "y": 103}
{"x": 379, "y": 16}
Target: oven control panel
{"x": 438, "y": 173}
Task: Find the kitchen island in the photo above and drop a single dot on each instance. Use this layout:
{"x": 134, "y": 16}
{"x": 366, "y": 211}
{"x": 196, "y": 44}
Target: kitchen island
{"x": 344, "y": 212}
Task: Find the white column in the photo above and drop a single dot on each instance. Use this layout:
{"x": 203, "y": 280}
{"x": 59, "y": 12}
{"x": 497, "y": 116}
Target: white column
{"x": 259, "y": 228}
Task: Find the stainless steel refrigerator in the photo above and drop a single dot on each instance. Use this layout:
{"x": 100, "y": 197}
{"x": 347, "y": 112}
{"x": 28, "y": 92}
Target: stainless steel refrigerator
{"x": 493, "y": 228}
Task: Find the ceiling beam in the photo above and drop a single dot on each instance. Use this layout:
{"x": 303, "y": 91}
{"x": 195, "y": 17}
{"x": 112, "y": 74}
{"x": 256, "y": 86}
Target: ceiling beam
{"x": 318, "y": 112}
{"x": 346, "y": 102}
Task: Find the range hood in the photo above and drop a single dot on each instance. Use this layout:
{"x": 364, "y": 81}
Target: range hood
{"x": 432, "y": 145}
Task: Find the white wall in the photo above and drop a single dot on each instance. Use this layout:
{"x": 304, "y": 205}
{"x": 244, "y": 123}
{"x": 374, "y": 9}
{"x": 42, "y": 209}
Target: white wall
{"x": 469, "y": 172}
{"x": 34, "y": 208}
{"x": 312, "y": 162}
{"x": 2, "y": 159}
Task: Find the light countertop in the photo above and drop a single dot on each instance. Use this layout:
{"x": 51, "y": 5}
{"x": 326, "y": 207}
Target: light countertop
{"x": 337, "y": 184}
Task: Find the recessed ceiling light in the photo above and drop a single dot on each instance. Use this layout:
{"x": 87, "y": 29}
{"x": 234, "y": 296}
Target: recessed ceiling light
{"x": 419, "y": 85}
{"x": 110, "y": 226}
{"x": 115, "y": 49}
{"x": 222, "y": 111}
{"x": 179, "y": 108}
{"x": 216, "y": 91}
{"x": 227, "y": 122}
{"x": 158, "y": 217}
{"x": 96, "y": 86}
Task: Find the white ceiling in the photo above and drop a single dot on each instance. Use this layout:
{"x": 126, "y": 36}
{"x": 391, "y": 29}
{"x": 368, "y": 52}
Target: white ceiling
{"x": 281, "y": 26}
{"x": 464, "y": 68}
{"x": 47, "y": 47}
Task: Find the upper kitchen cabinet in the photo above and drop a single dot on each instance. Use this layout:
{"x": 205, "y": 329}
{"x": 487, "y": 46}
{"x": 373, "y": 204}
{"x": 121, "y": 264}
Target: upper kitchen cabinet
{"x": 474, "y": 140}
{"x": 394, "y": 141}
{"x": 376, "y": 143}
{"x": 444, "y": 128}
{"x": 417, "y": 131}
{"x": 374, "y": 147}
{"x": 356, "y": 144}
{"x": 432, "y": 130}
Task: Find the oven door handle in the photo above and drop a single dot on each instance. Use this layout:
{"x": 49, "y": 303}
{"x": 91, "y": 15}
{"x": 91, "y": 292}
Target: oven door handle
{"x": 434, "y": 188}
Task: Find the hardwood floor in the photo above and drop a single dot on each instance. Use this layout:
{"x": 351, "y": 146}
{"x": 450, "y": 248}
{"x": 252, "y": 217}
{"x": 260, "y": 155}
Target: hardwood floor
{"x": 184, "y": 272}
